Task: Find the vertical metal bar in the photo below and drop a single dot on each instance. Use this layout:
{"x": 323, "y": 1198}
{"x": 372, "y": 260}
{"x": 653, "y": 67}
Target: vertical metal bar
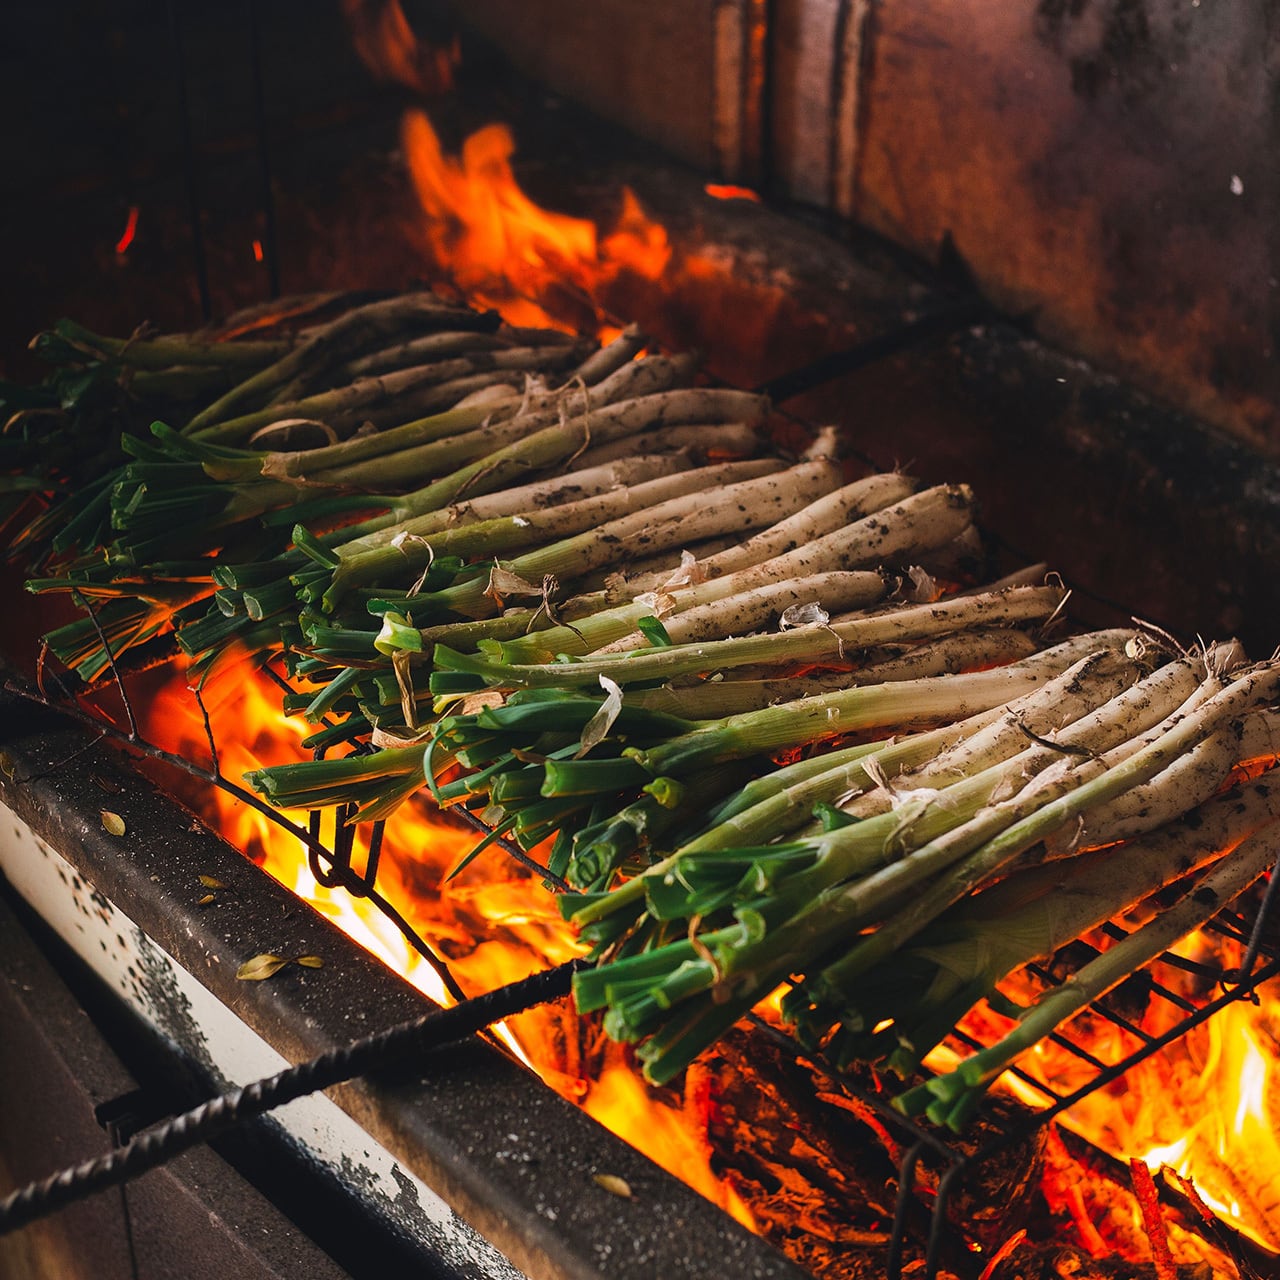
{"x": 848, "y": 65}
{"x": 741, "y": 39}
{"x": 727, "y": 89}
{"x": 938, "y": 1221}
{"x": 374, "y": 855}
{"x": 266, "y": 194}
{"x": 906, "y": 1190}
{"x": 1250, "y": 961}
{"x": 758, "y": 108}
{"x": 189, "y": 163}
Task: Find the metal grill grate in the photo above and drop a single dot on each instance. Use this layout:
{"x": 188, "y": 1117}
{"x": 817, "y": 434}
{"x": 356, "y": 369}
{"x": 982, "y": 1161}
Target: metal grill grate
{"x": 1261, "y": 964}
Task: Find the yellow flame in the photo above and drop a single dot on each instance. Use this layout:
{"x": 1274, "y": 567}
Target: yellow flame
{"x": 1208, "y": 1107}
{"x": 496, "y": 921}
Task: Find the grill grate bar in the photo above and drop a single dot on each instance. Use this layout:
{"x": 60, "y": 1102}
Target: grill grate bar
{"x": 956, "y": 1163}
{"x": 1255, "y": 947}
{"x": 1212, "y": 972}
{"x": 1175, "y": 1033}
{"x": 1118, "y": 1019}
{"x": 972, "y": 1042}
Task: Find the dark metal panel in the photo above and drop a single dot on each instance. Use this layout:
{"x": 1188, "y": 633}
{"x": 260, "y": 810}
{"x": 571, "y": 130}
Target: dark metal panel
{"x": 648, "y": 67}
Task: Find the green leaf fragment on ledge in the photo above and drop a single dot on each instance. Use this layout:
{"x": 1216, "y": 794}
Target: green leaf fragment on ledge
{"x": 266, "y": 965}
{"x": 260, "y": 968}
{"x": 613, "y": 1184}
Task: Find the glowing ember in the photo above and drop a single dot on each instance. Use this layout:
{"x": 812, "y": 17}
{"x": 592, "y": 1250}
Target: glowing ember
{"x": 727, "y": 191}
{"x": 1002, "y": 1253}
{"x": 130, "y": 231}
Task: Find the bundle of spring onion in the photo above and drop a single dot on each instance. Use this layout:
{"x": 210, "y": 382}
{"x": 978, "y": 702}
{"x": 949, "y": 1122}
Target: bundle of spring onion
{"x": 891, "y": 882}
{"x": 409, "y": 404}
{"x": 764, "y": 736}
{"x": 388, "y": 680}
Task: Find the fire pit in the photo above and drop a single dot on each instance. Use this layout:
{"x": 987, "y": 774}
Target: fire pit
{"x": 732, "y": 256}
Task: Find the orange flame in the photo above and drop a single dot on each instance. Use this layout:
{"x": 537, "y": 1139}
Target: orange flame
{"x": 1231, "y": 1152}
{"x": 478, "y": 220}
{"x": 495, "y": 921}
{"x": 388, "y": 47}
{"x": 501, "y": 248}
{"x": 1208, "y": 1108}
{"x": 727, "y": 191}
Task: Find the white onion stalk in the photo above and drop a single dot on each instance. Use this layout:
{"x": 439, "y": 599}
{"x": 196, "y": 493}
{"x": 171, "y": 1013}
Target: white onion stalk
{"x": 741, "y": 611}
{"x": 927, "y": 881}
{"x": 825, "y": 515}
{"x": 829, "y": 514}
{"x": 585, "y": 482}
{"x": 613, "y": 356}
{"x": 468, "y": 415}
{"x": 415, "y": 545}
{"x": 947, "y": 655}
{"x": 550, "y": 447}
{"x": 1189, "y": 780}
{"x": 710, "y": 440}
{"x": 928, "y": 986}
{"x": 912, "y": 527}
{"x": 804, "y": 644}
{"x": 715, "y": 609}
{"x": 353, "y": 327}
{"x": 741, "y": 506}
{"x": 786, "y": 800}
{"x": 1087, "y": 709}
{"x": 951, "y": 1098}
{"x": 915, "y": 808}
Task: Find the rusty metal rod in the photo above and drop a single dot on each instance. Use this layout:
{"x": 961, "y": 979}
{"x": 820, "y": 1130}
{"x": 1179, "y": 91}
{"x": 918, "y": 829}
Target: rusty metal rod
{"x": 155, "y": 1146}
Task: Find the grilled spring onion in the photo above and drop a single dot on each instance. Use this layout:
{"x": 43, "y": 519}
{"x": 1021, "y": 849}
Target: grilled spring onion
{"x": 900, "y": 1010}
{"x": 952, "y": 1098}
{"x": 689, "y": 995}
